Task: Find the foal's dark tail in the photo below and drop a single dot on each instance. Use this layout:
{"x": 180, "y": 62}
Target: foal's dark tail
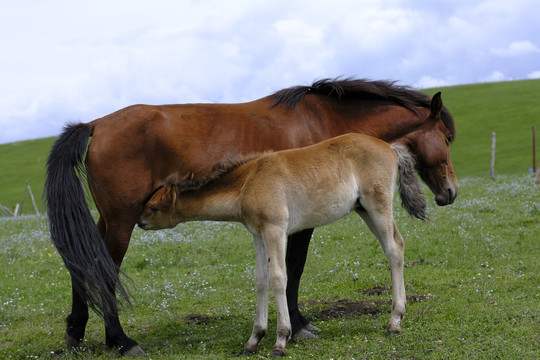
{"x": 94, "y": 275}
{"x": 410, "y": 192}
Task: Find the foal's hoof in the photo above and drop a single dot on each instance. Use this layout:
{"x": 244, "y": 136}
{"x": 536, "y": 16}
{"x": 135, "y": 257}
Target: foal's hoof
{"x": 134, "y": 351}
{"x": 279, "y": 353}
{"x": 247, "y": 352}
{"x": 392, "y": 330}
{"x": 303, "y": 334}
{"x": 71, "y": 341}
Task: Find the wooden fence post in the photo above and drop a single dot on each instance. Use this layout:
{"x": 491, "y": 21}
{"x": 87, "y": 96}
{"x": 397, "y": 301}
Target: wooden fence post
{"x": 32, "y": 197}
{"x": 19, "y": 207}
{"x": 493, "y": 156}
{"x": 534, "y": 149}
{"x": 6, "y": 210}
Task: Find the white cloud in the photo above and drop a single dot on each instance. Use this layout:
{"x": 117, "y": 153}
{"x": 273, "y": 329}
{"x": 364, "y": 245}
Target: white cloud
{"x": 534, "y": 75}
{"x": 64, "y": 61}
{"x": 495, "y": 77}
{"x": 516, "y": 48}
{"x": 426, "y": 82}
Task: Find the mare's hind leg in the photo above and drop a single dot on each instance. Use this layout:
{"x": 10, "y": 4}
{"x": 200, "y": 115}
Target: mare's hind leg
{"x": 117, "y": 236}
{"x": 382, "y": 225}
{"x": 297, "y": 248}
{"x": 77, "y": 320}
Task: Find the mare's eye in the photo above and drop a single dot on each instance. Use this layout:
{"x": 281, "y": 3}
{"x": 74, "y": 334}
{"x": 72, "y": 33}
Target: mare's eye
{"x": 153, "y": 208}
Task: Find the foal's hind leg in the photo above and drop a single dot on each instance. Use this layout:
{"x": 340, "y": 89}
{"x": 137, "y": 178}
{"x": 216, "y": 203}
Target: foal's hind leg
{"x": 386, "y": 231}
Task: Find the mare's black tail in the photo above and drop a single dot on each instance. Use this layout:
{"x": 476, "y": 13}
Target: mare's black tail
{"x": 410, "y": 192}
{"x": 73, "y": 231}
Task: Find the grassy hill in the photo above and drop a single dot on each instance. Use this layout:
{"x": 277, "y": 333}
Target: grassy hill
{"x": 23, "y": 162}
{"x": 509, "y": 108}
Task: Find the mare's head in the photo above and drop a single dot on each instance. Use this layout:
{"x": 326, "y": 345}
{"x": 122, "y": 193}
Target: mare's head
{"x": 431, "y": 145}
{"x": 159, "y": 211}
{"x": 428, "y": 136}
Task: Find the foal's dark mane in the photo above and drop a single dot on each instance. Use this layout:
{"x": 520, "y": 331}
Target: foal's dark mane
{"x": 219, "y": 170}
{"x": 349, "y": 88}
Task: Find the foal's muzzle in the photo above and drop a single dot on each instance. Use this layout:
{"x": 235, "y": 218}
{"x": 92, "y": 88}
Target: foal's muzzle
{"x": 143, "y": 224}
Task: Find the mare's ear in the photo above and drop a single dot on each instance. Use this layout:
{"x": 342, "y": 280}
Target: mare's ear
{"x": 436, "y": 104}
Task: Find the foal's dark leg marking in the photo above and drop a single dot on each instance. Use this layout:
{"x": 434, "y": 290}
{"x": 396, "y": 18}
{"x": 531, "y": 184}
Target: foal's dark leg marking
{"x": 297, "y": 248}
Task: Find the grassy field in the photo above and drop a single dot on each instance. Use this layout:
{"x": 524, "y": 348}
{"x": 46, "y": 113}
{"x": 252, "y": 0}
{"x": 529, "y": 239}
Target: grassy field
{"x": 472, "y": 273}
{"x": 23, "y": 162}
{"x": 472, "y": 280}
{"x": 510, "y": 109}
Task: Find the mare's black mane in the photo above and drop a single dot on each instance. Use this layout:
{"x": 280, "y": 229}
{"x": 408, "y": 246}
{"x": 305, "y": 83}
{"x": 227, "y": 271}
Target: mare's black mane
{"x": 400, "y": 95}
{"x": 403, "y": 96}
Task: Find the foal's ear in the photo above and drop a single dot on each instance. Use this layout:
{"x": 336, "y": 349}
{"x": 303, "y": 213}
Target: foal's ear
{"x": 169, "y": 195}
{"x": 436, "y": 104}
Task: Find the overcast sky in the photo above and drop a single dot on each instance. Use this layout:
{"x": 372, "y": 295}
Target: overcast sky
{"x": 66, "y": 60}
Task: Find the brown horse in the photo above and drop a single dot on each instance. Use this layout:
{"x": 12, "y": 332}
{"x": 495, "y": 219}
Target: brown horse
{"x": 134, "y": 149}
{"x": 281, "y": 193}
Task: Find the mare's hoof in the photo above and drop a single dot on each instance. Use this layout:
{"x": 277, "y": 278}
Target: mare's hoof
{"x": 134, "y": 351}
{"x": 303, "y": 334}
{"x": 312, "y": 328}
{"x": 71, "y": 341}
{"x": 247, "y": 352}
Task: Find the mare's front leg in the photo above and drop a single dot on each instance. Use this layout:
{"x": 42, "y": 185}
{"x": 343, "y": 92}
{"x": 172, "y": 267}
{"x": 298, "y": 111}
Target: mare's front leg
{"x": 260, "y": 325}
{"x": 297, "y": 249}
{"x": 386, "y": 231}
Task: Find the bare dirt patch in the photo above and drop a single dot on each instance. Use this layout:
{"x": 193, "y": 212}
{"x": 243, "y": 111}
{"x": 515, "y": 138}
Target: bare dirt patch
{"x": 327, "y": 310}
{"x": 199, "y": 319}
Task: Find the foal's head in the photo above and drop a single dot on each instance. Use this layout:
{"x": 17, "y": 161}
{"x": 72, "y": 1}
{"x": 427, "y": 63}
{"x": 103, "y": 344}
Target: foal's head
{"x": 431, "y": 145}
{"x": 167, "y": 206}
{"x": 159, "y": 212}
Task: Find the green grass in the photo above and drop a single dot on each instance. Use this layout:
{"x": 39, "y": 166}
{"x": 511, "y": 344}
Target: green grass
{"x": 509, "y": 108}
{"x": 473, "y": 268}
{"x": 20, "y": 163}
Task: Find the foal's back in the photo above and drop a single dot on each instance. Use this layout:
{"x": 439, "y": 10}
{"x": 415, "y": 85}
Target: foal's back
{"x": 316, "y": 185}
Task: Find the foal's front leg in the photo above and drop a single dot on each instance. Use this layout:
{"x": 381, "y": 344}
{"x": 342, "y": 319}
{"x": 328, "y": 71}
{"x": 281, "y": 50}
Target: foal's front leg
{"x": 260, "y": 325}
{"x": 275, "y": 240}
